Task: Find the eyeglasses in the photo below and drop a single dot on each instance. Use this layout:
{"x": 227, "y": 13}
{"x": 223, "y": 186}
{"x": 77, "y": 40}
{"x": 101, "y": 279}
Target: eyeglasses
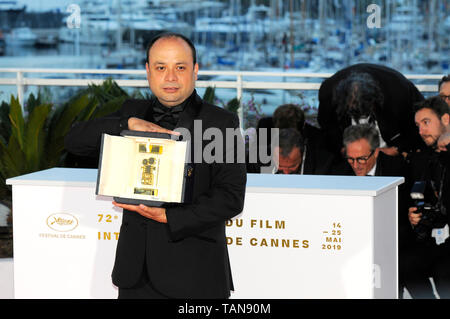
{"x": 361, "y": 159}
{"x": 444, "y": 97}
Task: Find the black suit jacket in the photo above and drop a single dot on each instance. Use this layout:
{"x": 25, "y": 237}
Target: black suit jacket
{"x": 318, "y": 160}
{"x": 187, "y": 257}
{"x": 395, "y": 118}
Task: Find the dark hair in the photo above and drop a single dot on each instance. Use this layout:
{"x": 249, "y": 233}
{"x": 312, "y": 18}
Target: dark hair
{"x": 445, "y": 78}
{"x": 434, "y": 103}
{"x": 165, "y": 35}
{"x": 368, "y": 132}
{"x": 288, "y": 139}
{"x": 359, "y": 93}
{"x": 289, "y": 116}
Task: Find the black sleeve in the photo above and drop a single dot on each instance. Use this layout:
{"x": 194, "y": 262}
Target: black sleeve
{"x": 84, "y": 138}
{"x": 328, "y": 119}
{"x": 223, "y": 200}
{"x": 409, "y": 139}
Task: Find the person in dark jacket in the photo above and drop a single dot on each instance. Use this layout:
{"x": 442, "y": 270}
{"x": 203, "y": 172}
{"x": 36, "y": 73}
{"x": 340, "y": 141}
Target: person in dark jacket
{"x": 292, "y": 156}
{"x": 177, "y": 250}
{"x": 315, "y": 159}
{"x": 370, "y": 93}
{"x": 429, "y": 256}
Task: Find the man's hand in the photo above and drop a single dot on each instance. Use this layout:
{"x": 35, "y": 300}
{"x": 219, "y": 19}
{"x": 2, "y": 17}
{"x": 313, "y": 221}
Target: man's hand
{"x": 443, "y": 141}
{"x": 392, "y": 151}
{"x": 136, "y": 124}
{"x": 414, "y": 218}
{"x": 156, "y": 213}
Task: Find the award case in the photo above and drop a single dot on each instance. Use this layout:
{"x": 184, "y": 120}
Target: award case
{"x": 143, "y": 168}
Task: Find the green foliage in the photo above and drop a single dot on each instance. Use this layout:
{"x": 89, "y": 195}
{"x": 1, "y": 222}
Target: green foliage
{"x": 210, "y": 97}
{"x": 233, "y": 105}
{"x": 60, "y": 123}
{"x": 5, "y": 125}
{"x": 32, "y": 136}
{"x": 104, "y": 99}
{"x": 252, "y": 113}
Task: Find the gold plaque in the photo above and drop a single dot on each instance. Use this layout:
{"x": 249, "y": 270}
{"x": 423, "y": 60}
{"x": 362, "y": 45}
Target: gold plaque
{"x": 140, "y": 166}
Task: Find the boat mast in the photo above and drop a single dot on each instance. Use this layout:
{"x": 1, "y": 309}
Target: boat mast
{"x": 119, "y": 27}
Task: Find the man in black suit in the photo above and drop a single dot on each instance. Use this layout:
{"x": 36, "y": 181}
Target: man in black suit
{"x": 370, "y": 93}
{"x": 178, "y": 250}
{"x": 308, "y": 141}
{"x": 293, "y": 156}
{"x": 361, "y": 144}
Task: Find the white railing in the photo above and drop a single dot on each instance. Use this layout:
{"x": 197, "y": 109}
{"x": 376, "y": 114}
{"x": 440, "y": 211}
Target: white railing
{"x": 236, "y": 79}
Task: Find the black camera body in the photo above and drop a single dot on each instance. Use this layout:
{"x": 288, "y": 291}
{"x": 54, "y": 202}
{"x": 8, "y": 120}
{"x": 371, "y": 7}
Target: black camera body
{"x": 432, "y": 215}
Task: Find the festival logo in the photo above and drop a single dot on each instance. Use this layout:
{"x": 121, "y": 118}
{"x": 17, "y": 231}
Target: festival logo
{"x": 62, "y": 222}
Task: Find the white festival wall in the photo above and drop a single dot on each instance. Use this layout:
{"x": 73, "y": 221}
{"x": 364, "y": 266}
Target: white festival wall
{"x": 338, "y": 240}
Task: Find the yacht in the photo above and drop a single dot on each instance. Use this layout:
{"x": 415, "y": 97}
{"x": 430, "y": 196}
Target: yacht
{"x": 10, "y": 5}
{"x": 21, "y": 36}
{"x": 98, "y": 25}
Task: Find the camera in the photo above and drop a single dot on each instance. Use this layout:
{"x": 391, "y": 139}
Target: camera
{"x": 432, "y": 216}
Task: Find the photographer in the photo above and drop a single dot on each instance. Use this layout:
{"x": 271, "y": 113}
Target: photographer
{"x": 429, "y": 255}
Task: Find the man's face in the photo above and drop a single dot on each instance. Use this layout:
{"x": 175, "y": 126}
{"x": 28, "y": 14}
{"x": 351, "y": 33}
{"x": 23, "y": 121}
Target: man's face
{"x": 291, "y": 163}
{"x": 444, "y": 92}
{"x": 431, "y": 127}
{"x": 171, "y": 72}
{"x": 360, "y": 157}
